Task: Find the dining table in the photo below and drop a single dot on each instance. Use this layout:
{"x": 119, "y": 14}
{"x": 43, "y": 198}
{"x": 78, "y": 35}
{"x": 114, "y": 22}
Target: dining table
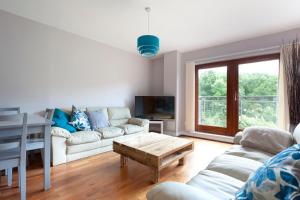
{"x": 35, "y": 124}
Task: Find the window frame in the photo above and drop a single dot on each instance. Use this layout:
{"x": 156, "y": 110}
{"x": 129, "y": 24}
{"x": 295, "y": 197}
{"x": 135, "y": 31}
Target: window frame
{"x": 232, "y": 98}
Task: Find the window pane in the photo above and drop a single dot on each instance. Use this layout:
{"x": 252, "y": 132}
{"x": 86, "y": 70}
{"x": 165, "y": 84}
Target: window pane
{"x": 258, "y": 93}
{"x": 212, "y": 101}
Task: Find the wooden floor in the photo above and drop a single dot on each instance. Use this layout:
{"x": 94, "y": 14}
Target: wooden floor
{"x": 100, "y": 177}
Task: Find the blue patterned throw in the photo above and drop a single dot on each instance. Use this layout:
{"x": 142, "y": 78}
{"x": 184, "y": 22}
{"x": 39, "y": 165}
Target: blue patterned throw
{"x": 61, "y": 119}
{"x": 278, "y": 178}
{"x": 80, "y": 120}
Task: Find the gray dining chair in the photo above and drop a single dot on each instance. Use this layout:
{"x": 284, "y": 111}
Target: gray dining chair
{"x": 37, "y": 142}
{"x": 11, "y": 144}
{"x": 34, "y": 143}
{"x": 15, "y": 157}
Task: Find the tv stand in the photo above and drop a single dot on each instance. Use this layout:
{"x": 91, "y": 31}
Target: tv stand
{"x": 159, "y": 122}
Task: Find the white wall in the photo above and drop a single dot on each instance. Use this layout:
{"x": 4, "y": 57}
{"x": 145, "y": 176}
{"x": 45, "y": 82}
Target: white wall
{"x": 171, "y": 85}
{"x": 170, "y": 73}
{"x": 157, "y": 76}
{"x": 45, "y": 67}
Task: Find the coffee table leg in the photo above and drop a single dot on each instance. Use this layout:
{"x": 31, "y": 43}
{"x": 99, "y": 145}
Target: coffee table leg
{"x": 181, "y": 161}
{"x": 156, "y": 174}
{"x": 123, "y": 161}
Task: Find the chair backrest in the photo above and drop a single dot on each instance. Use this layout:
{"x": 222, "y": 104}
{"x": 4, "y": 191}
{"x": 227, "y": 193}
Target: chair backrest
{"x": 10, "y": 110}
{"x": 49, "y": 113}
{"x": 15, "y": 126}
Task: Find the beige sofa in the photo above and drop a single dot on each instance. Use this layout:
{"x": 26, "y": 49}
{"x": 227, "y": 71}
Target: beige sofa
{"x": 222, "y": 178}
{"x": 68, "y": 146}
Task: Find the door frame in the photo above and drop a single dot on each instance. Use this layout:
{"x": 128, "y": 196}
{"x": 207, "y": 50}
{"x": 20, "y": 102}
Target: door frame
{"x": 232, "y": 93}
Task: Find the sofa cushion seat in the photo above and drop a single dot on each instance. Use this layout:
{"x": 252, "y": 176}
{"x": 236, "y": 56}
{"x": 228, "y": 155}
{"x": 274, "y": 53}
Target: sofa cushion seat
{"x": 111, "y": 132}
{"x": 131, "y": 129}
{"x": 246, "y": 152}
{"x": 216, "y": 184}
{"x": 72, "y": 149}
{"x": 89, "y": 146}
{"x": 177, "y": 191}
{"x": 234, "y": 166}
{"x": 82, "y": 137}
{"x": 207, "y": 185}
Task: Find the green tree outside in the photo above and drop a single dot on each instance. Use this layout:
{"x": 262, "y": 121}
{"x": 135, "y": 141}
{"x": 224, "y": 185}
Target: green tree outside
{"x": 257, "y": 99}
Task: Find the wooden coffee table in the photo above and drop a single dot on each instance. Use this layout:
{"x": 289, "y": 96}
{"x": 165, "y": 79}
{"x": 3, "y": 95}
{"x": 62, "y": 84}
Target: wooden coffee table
{"x": 154, "y": 150}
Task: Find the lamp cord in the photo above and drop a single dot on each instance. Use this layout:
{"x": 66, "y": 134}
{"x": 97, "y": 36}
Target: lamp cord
{"x": 148, "y": 22}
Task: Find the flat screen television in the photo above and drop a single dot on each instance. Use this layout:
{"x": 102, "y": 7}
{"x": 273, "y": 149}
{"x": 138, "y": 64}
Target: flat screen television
{"x": 155, "y": 107}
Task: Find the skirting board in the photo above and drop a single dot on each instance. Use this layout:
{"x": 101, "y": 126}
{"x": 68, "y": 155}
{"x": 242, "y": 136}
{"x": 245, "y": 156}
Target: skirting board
{"x": 208, "y": 136}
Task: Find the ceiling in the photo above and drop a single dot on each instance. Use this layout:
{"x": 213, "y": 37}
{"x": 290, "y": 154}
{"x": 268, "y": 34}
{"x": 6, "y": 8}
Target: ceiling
{"x": 182, "y": 25}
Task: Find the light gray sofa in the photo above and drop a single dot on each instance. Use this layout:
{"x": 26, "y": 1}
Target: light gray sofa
{"x": 222, "y": 178}
{"x": 68, "y": 146}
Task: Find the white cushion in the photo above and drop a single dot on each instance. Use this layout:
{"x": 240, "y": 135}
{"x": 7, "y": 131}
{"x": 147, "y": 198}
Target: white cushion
{"x": 60, "y": 132}
{"x": 102, "y": 109}
{"x": 234, "y": 166}
{"x": 266, "y": 139}
{"x": 296, "y": 134}
{"x": 216, "y": 184}
{"x": 119, "y": 113}
{"x": 237, "y": 138}
{"x": 131, "y": 129}
{"x": 111, "y": 132}
{"x": 246, "y": 152}
{"x": 83, "y": 137}
{"x": 118, "y": 122}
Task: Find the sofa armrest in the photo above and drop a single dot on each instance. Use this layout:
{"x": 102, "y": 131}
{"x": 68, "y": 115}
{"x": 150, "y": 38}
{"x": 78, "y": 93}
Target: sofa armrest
{"x": 176, "y": 191}
{"x": 138, "y": 121}
{"x": 59, "y": 138}
{"x": 238, "y": 137}
{"x": 59, "y": 150}
{"x": 60, "y": 132}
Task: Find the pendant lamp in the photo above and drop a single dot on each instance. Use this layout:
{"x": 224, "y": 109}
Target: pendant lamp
{"x": 148, "y": 45}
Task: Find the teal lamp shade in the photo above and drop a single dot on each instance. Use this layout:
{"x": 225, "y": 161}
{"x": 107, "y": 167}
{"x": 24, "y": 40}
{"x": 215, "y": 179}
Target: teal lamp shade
{"x": 148, "y": 45}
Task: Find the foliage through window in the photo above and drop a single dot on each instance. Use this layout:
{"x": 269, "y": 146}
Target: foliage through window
{"x": 255, "y": 95}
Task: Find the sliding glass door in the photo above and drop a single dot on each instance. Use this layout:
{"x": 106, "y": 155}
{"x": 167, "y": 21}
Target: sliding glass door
{"x": 235, "y": 94}
{"x": 212, "y": 98}
{"x": 258, "y": 93}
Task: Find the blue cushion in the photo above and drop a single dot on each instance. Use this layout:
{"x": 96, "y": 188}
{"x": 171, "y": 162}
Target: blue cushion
{"x": 278, "y": 178}
{"x": 61, "y": 119}
{"x": 80, "y": 120}
{"x": 97, "y": 119}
